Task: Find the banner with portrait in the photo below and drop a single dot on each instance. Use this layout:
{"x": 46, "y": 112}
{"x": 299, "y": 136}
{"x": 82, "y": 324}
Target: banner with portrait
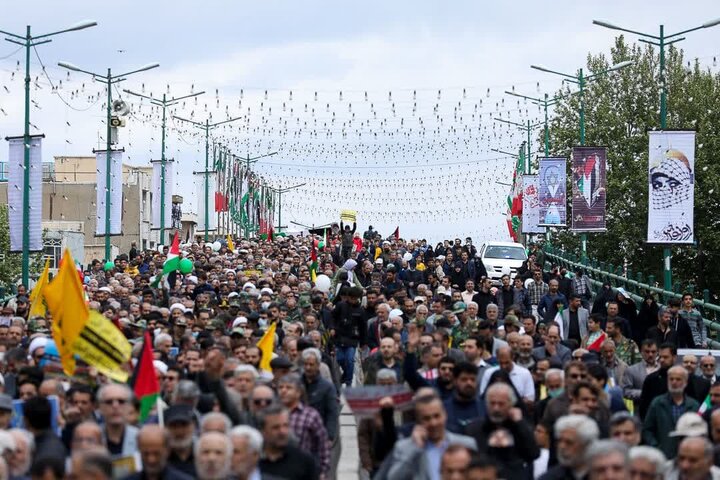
{"x": 530, "y": 205}
{"x": 671, "y": 187}
{"x": 589, "y": 189}
{"x": 552, "y": 193}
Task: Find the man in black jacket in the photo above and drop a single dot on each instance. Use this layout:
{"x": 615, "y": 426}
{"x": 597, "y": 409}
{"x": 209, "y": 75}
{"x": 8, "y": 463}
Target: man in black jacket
{"x": 504, "y": 434}
{"x": 655, "y": 384}
{"x": 347, "y": 239}
{"x": 349, "y": 329}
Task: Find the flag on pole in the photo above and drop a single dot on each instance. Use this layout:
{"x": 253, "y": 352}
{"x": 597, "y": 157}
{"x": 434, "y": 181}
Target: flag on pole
{"x": 172, "y": 262}
{"x": 64, "y": 297}
{"x": 144, "y": 381}
{"x": 230, "y": 244}
{"x": 313, "y": 263}
{"x": 37, "y": 301}
{"x": 266, "y": 345}
{"x": 559, "y": 320}
{"x": 705, "y": 405}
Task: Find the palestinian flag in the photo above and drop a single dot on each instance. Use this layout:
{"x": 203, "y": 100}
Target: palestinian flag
{"x": 144, "y": 381}
{"x": 172, "y": 262}
{"x": 313, "y": 263}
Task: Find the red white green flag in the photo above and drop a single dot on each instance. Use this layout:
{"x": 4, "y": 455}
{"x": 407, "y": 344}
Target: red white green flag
{"x": 144, "y": 381}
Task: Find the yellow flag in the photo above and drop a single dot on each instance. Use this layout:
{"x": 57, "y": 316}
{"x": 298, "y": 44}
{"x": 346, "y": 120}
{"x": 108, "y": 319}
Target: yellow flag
{"x": 266, "y": 345}
{"x": 64, "y": 298}
{"x": 104, "y": 347}
{"x": 37, "y": 300}
{"x": 230, "y": 244}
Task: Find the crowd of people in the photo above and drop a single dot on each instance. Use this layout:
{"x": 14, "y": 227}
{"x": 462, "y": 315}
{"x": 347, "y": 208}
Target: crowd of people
{"x": 540, "y": 376}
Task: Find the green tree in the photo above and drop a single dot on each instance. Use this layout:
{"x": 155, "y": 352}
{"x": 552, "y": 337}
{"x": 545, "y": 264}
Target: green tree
{"x": 619, "y": 111}
{"x": 11, "y": 263}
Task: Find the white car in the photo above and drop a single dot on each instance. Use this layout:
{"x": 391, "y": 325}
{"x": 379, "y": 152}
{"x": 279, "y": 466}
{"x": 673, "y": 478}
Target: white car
{"x": 502, "y": 258}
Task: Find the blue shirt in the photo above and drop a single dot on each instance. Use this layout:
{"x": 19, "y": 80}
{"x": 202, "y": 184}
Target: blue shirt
{"x": 434, "y": 455}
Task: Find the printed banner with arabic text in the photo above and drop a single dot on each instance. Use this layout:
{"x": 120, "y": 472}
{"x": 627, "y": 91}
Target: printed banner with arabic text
{"x": 671, "y": 187}
{"x": 530, "y": 205}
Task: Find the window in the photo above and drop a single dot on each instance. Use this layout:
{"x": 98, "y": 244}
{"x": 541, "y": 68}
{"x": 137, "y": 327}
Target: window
{"x": 52, "y": 249}
{"x": 507, "y": 253}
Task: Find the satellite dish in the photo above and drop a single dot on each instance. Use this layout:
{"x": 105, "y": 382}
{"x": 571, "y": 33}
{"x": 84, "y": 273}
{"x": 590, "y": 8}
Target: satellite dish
{"x": 120, "y": 108}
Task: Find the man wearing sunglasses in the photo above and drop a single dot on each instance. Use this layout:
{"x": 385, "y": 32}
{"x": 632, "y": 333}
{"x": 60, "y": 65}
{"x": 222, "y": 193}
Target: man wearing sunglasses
{"x": 114, "y": 401}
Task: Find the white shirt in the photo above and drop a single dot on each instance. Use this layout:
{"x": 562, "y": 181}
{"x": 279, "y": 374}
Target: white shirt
{"x": 520, "y": 378}
{"x": 467, "y": 296}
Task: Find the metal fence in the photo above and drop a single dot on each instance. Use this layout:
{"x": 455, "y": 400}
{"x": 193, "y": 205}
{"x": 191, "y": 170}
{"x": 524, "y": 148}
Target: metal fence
{"x": 638, "y": 287}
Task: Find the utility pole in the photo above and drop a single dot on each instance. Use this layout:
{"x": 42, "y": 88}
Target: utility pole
{"x": 206, "y": 126}
{"x": 164, "y": 103}
{"x": 108, "y": 80}
{"x": 581, "y": 80}
{"x": 27, "y": 42}
{"x": 661, "y": 41}
{"x": 280, "y": 192}
{"x": 528, "y": 129}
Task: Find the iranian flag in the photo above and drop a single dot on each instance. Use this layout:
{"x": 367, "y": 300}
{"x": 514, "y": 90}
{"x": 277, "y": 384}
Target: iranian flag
{"x": 172, "y": 262}
{"x": 705, "y": 406}
{"x": 144, "y": 381}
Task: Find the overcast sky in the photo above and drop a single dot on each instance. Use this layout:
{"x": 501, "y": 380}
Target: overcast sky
{"x": 407, "y": 148}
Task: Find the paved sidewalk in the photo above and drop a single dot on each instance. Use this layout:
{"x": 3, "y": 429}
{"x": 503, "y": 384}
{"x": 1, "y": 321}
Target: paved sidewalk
{"x": 349, "y": 458}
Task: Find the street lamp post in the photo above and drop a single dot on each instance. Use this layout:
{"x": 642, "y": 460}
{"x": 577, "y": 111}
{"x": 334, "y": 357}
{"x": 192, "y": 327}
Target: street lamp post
{"x": 27, "y": 41}
{"x": 581, "y": 80}
{"x": 527, "y": 128}
{"x": 544, "y": 102}
{"x": 661, "y": 41}
{"x": 280, "y": 192}
{"x": 164, "y": 103}
{"x": 207, "y": 126}
{"x": 108, "y": 80}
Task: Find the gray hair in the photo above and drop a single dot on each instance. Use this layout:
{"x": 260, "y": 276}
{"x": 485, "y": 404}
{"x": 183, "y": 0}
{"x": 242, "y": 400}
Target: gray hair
{"x": 501, "y": 387}
{"x": 603, "y": 448}
{"x": 292, "y": 379}
{"x": 161, "y": 338}
{"x": 652, "y": 455}
{"x": 554, "y": 372}
{"x": 215, "y": 416}
{"x": 585, "y": 427}
{"x": 384, "y": 306}
{"x": 246, "y": 368}
{"x": 386, "y": 374}
{"x": 311, "y": 352}
{"x": 27, "y": 436}
{"x": 491, "y": 306}
{"x": 254, "y": 438}
{"x": 188, "y": 391}
{"x": 679, "y": 369}
{"x": 104, "y": 388}
{"x": 474, "y": 304}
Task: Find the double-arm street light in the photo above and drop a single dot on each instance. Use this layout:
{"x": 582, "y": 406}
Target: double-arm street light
{"x": 527, "y": 128}
{"x": 164, "y": 103}
{"x": 109, "y": 80}
{"x": 280, "y": 192}
{"x": 661, "y": 41}
{"x": 27, "y": 42}
{"x": 207, "y": 126}
{"x": 580, "y": 80}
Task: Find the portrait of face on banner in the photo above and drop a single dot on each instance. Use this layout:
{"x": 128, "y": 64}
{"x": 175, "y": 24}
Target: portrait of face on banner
{"x": 552, "y": 193}
{"x": 589, "y": 189}
{"x": 671, "y": 187}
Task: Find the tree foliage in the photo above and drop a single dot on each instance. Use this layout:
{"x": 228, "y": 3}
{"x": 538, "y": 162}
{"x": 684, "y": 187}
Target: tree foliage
{"x": 11, "y": 263}
{"x": 620, "y": 108}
